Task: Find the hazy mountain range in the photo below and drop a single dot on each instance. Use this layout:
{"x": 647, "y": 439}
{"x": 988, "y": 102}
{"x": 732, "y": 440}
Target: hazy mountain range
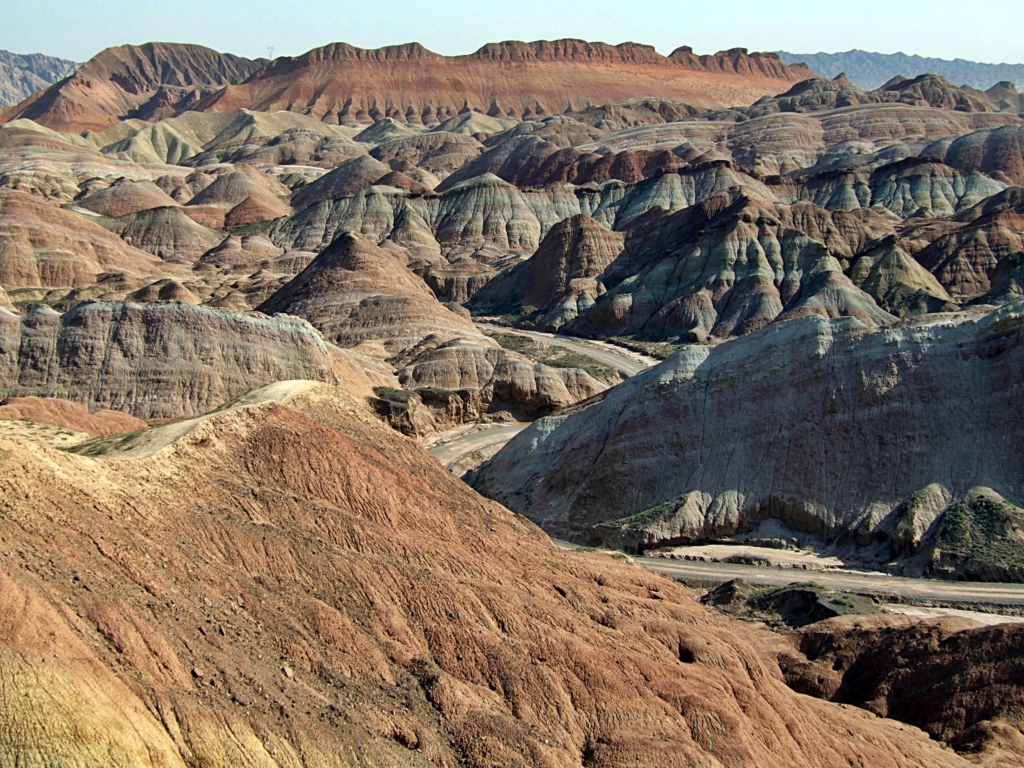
{"x": 23, "y": 75}
{"x": 871, "y": 70}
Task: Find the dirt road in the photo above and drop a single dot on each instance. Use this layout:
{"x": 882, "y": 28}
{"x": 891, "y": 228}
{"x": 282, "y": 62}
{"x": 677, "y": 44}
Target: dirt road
{"x": 893, "y": 588}
{"x": 628, "y": 362}
{"x": 451, "y": 452}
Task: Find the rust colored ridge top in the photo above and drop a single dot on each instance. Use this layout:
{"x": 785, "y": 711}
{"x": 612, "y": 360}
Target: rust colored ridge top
{"x": 69, "y": 415}
{"x": 409, "y": 82}
{"x": 510, "y": 78}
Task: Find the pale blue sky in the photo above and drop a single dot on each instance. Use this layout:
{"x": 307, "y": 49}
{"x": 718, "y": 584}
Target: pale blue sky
{"x": 980, "y": 30}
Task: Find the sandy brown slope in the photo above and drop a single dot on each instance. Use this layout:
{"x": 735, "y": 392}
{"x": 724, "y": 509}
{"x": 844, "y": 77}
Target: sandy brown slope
{"x": 291, "y": 583}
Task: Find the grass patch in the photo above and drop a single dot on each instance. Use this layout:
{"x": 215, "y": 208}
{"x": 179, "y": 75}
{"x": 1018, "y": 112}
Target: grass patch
{"x": 985, "y": 529}
{"x": 645, "y": 517}
{"x": 100, "y": 446}
{"x": 660, "y": 350}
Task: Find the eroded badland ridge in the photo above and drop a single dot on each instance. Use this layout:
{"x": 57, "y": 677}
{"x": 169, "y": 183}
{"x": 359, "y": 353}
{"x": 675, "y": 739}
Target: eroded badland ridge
{"x": 238, "y": 297}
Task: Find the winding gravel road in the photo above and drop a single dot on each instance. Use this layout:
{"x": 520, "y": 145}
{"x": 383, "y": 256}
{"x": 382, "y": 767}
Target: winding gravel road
{"x": 450, "y": 453}
{"x": 895, "y": 588}
{"x": 628, "y": 362}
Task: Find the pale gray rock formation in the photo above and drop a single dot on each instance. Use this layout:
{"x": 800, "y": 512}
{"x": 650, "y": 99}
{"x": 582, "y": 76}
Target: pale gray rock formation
{"x": 730, "y": 265}
{"x": 487, "y": 212}
{"x": 161, "y": 361}
{"x": 438, "y": 152}
{"x": 502, "y": 380}
{"x": 855, "y": 436}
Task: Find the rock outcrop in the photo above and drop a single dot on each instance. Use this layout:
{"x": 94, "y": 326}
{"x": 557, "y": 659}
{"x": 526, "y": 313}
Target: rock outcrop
{"x": 288, "y": 580}
{"x": 161, "y": 361}
{"x": 412, "y": 85}
{"x": 560, "y": 281}
{"x": 875, "y": 441}
{"x": 501, "y": 380}
{"x": 168, "y": 233}
{"x": 956, "y": 681}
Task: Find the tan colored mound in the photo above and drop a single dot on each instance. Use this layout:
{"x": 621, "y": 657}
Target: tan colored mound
{"x": 168, "y": 233}
{"x": 241, "y": 254}
{"x": 243, "y": 183}
{"x": 253, "y": 210}
{"x": 70, "y": 415}
{"x": 124, "y": 199}
{"x": 166, "y": 290}
{"x": 289, "y": 582}
{"x": 356, "y": 291}
{"x": 43, "y": 246}
{"x": 401, "y": 181}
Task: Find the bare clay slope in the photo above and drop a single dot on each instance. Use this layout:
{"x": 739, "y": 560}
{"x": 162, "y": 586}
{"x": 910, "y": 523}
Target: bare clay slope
{"x": 900, "y": 439}
{"x": 328, "y": 595}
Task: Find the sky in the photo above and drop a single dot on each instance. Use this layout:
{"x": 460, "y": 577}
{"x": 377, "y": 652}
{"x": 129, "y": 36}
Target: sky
{"x": 977, "y": 30}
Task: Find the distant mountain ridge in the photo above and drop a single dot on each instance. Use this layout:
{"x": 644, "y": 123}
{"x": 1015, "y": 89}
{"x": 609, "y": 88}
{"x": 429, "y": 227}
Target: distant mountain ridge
{"x": 21, "y": 75}
{"x": 871, "y": 70}
{"x": 341, "y": 83}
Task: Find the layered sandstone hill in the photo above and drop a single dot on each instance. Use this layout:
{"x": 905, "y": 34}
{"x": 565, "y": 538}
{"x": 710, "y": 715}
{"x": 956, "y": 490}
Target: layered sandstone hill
{"x": 289, "y": 582}
{"x": 342, "y": 83}
{"x": 727, "y": 265}
{"x": 155, "y": 362}
{"x": 60, "y": 167}
{"x": 916, "y": 672}
{"x": 411, "y": 84}
{"x": 146, "y": 81}
{"x": 45, "y": 248}
{"x": 560, "y": 281}
{"x": 355, "y": 291}
{"x": 491, "y": 379}
{"x": 875, "y": 441}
